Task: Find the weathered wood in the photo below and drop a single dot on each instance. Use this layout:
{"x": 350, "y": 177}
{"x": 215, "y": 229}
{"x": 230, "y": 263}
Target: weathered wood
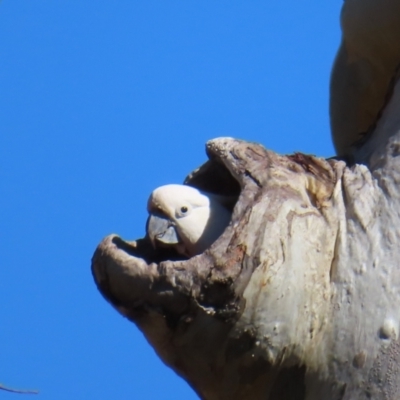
{"x": 364, "y": 71}
{"x": 299, "y": 298}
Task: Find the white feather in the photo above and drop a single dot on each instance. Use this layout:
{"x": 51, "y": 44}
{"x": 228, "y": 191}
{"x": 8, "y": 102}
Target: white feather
{"x": 198, "y": 217}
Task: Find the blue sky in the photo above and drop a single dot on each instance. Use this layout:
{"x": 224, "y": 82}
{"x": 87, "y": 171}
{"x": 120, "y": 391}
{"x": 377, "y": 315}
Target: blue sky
{"x": 101, "y": 102}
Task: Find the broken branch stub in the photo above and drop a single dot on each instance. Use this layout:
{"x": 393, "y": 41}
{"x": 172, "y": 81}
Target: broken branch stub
{"x": 296, "y": 300}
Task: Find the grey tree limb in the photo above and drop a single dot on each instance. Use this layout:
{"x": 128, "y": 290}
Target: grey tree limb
{"x": 299, "y": 298}
{"x": 19, "y": 391}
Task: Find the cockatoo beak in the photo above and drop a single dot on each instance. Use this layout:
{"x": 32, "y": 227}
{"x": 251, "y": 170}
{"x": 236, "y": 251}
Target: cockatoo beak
{"x": 161, "y": 230}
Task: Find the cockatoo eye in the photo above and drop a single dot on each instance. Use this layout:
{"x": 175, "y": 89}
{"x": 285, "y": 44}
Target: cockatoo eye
{"x": 183, "y": 211}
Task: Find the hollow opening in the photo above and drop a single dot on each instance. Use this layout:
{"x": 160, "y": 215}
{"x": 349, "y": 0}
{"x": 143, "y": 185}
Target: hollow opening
{"x": 212, "y": 177}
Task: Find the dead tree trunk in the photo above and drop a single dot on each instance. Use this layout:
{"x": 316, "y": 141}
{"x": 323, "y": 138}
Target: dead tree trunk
{"x": 299, "y": 298}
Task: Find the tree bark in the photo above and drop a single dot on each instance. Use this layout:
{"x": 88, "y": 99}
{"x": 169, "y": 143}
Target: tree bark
{"x": 299, "y": 298}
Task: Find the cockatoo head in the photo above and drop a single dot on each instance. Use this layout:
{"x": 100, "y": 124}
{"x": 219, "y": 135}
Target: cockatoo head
{"x": 185, "y": 218}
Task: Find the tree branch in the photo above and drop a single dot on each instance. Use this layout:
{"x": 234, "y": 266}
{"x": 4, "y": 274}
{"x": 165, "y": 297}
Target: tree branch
{"x": 299, "y": 297}
{"x": 20, "y": 391}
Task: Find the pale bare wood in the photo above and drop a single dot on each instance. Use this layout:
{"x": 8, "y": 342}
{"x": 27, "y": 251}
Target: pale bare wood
{"x": 299, "y": 298}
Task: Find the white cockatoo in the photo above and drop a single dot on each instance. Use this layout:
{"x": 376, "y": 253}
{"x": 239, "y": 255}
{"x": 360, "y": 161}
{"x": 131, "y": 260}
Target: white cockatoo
{"x": 185, "y": 219}
{"x": 364, "y": 70}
